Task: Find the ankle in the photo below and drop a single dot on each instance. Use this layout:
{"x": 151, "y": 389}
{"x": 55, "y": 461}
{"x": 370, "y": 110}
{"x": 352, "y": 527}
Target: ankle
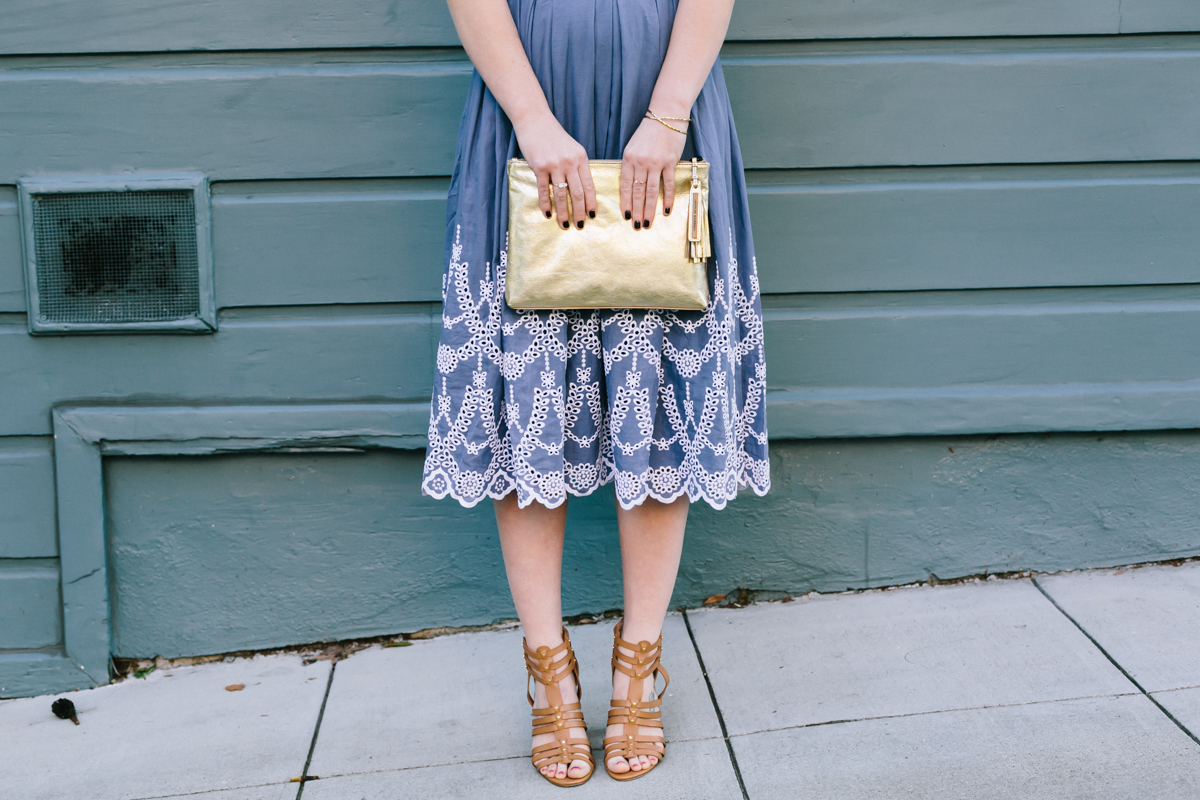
{"x": 636, "y": 631}
{"x": 541, "y": 638}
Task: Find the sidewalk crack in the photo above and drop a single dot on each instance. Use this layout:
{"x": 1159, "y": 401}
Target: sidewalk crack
{"x": 1113, "y": 661}
{"x": 716, "y": 707}
{"x": 316, "y": 732}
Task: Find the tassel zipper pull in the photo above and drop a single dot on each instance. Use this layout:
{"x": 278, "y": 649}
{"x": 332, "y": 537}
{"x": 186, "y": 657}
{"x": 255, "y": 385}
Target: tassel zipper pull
{"x": 698, "y": 239}
{"x": 697, "y": 218}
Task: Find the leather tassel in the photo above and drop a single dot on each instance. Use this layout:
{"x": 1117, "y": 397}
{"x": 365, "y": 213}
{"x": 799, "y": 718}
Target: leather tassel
{"x": 697, "y": 219}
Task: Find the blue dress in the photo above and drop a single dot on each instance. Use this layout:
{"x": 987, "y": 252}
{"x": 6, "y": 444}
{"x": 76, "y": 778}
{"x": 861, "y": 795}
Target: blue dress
{"x": 552, "y": 403}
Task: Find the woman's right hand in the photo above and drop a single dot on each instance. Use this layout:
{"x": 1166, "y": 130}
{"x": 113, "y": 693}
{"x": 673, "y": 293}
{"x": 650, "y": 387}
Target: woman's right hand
{"x": 555, "y": 157}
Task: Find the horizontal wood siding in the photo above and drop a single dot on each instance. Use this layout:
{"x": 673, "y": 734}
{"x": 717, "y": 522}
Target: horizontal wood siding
{"x": 964, "y": 102}
{"x": 234, "y": 120}
{"x": 302, "y": 243}
{"x": 801, "y": 106}
{"x": 122, "y": 26}
{"x": 972, "y": 218}
{"x": 976, "y": 228}
{"x": 280, "y": 357}
{"x": 294, "y": 243}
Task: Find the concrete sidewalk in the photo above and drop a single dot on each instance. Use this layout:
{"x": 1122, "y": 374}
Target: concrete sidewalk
{"x": 1076, "y": 685}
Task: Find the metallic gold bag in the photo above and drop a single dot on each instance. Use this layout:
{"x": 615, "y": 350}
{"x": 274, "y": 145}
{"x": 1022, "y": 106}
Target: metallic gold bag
{"x": 607, "y": 263}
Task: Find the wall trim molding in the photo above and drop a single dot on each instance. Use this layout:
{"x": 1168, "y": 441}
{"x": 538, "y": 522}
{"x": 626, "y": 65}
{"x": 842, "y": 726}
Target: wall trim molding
{"x": 982, "y": 409}
{"x": 84, "y": 435}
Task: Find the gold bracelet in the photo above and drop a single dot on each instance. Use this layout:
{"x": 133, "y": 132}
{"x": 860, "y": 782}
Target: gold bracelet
{"x": 650, "y": 114}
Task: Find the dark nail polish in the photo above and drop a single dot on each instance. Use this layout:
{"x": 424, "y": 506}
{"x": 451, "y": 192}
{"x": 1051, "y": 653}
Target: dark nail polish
{"x": 666, "y": 211}
{"x": 592, "y": 214}
{"x": 628, "y": 215}
{"x": 645, "y": 223}
{"x": 637, "y": 226}
{"x": 566, "y": 224}
{"x": 547, "y": 215}
{"x": 579, "y": 224}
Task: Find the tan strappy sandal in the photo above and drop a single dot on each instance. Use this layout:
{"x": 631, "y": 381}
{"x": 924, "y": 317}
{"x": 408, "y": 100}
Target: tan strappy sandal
{"x": 632, "y": 714}
{"x": 548, "y": 666}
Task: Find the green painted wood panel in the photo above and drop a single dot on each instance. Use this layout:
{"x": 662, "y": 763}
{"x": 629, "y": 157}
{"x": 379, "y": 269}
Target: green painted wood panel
{"x": 27, "y": 526}
{"x": 122, "y": 26}
{"x": 964, "y": 102}
{"x": 248, "y": 117}
{"x": 1144, "y": 16}
{"x": 30, "y": 612}
{"x": 211, "y": 554}
{"x": 279, "y": 356}
{"x": 301, "y": 547}
{"x": 987, "y": 338}
{"x": 300, "y": 243}
{"x": 819, "y": 105}
{"x": 954, "y": 506}
{"x": 854, "y": 19}
{"x": 976, "y": 228}
{"x": 12, "y": 281}
{"x": 125, "y": 26}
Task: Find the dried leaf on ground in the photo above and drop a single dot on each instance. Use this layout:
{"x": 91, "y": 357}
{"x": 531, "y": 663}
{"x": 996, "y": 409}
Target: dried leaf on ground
{"x": 235, "y": 687}
{"x": 716, "y": 598}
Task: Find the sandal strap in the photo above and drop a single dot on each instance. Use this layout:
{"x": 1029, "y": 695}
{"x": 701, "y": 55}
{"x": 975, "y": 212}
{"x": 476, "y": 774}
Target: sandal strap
{"x": 548, "y": 666}
{"x": 552, "y": 721}
{"x": 645, "y": 658}
{"x": 631, "y": 748}
{"x": 642, "y": 662}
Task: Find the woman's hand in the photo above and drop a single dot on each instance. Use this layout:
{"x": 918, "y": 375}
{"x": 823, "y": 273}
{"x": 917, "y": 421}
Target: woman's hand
{"x": 649, "y": 161}
{"x": 555, "y": 158}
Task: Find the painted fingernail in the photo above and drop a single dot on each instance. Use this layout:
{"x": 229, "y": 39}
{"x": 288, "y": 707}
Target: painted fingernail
{"x": 645, "y": 223}
{"x": 579, "y": 224}
{"x": 637, "y": 226}
{"x": 592, "y": 214}
{"x": 666, "y": 211}
{"x": 628, "y": 215}
{"x": 566, "y": 224}
{"x": 547, "y": 215}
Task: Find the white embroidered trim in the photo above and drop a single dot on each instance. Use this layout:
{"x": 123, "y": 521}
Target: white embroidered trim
{"x": 514, "y": 428}
{"x": 526, "y": 494}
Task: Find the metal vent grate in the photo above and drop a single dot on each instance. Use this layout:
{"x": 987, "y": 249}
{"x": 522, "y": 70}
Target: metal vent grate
{"x": 105, "y": 257}
{"x": 118, "y": 253}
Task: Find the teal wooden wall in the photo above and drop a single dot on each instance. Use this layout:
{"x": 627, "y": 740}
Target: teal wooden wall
{"x": 977, "y": 241}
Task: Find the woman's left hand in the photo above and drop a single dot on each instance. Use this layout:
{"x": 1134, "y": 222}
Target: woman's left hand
{"x": 647, "y": 165}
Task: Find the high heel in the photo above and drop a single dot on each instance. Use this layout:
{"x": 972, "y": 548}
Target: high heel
{"x": 632, "y": 714}
{"x": 548, "y": 666}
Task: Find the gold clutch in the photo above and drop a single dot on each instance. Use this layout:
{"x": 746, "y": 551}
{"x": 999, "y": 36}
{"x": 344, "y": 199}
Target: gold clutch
{"x": 607, "y": 263}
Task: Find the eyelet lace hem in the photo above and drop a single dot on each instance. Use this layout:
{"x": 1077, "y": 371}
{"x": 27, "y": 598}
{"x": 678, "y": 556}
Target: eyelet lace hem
{"x": 754, "y": 475}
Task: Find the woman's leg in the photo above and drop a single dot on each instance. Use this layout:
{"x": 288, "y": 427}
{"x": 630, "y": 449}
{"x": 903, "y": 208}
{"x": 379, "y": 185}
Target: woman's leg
{"x": 651, "y": 544}
{"x": 532, "y": 541}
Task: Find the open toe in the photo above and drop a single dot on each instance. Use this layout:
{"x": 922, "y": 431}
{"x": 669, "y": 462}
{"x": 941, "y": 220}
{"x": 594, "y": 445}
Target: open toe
{"x": 633, "y": 745}
{"x": 548, "y": 666}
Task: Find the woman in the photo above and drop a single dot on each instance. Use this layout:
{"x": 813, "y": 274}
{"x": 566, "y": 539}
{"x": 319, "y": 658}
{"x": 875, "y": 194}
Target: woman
{"x": 530, "y": 406}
